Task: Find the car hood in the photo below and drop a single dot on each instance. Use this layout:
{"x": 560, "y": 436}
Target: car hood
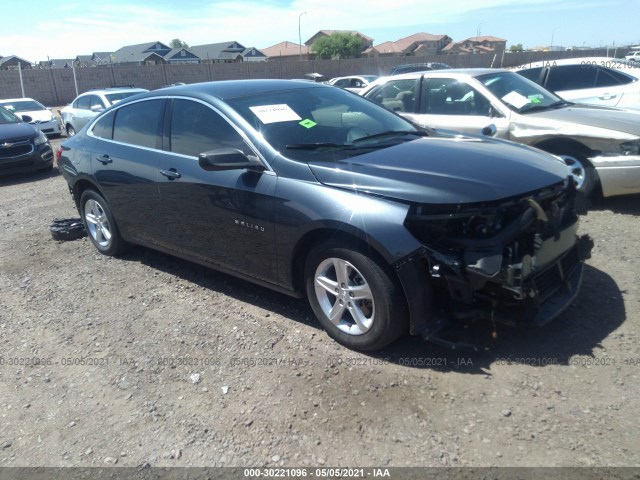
{"x": 445, "y": 171}
{"x": 37, "y": 115}
{"x": 621, "y": 120}
{"x": 14, "y": 131}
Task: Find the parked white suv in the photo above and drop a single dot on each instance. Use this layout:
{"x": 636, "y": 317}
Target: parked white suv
{"x": 87, "y": 105}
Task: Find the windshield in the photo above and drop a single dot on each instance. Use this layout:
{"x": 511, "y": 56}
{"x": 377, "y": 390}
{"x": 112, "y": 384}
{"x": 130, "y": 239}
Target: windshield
{"x": 518, "y": 93}
{"x": 8, "y": 117}
{"x": 23, "y": 106}
{"x": 322, "y": 123}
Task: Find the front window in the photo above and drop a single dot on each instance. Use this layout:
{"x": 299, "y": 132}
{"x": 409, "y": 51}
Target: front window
{"x": 518, "y": 93}
{"x": 448, "y": 96}
{"x": 196, "y": 128}
{"x": 320, "y": 123}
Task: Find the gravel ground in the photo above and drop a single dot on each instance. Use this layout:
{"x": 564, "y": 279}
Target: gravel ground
{"x": 147, "y": 359}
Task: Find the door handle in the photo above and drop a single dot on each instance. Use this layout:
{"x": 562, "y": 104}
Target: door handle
{"x": 171, "y": 174}
{"x": 104, "y": 159}
{"x": 607, "y": 96}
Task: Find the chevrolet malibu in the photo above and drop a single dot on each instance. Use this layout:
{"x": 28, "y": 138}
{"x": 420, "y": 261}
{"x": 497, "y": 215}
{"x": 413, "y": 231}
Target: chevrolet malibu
{"x": 315, "y": 192}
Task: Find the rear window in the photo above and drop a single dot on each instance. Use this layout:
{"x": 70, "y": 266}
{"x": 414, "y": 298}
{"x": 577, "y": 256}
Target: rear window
{"x": 532, "y": 74}
{"x": 103, "y": 128}
{"x": 576, "y": 77}
{"x": 139, "y": 124}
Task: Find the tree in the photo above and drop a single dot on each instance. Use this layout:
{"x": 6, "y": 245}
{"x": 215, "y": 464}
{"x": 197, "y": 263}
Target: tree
{"x": 516, "y": 48}
{"x": 338, "y": 45}
{"x": 177, "y": 43}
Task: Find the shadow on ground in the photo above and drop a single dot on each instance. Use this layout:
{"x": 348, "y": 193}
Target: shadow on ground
{"x": 625, "y": 204}
{"x": 28, "y": 177}
{"x": 580, "y": 330}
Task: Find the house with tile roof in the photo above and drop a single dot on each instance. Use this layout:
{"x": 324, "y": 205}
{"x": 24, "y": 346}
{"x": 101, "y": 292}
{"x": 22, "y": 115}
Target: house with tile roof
{"x": 417, "y": 44}
{"x": 287, "y": 51}
{"x": 482, "y": 44}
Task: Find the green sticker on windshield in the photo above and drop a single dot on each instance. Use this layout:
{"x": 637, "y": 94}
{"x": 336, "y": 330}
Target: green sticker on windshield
{"x": 534, "y": 99}
{"x": 306, "y": 123}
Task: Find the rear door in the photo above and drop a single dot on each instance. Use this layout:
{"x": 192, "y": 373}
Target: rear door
{"x": 125, "y": 163}
{"x": 587, "y": 84}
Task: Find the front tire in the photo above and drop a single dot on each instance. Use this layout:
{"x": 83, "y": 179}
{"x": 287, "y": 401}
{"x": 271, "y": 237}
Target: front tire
{"x": 100, "y": 224}
{"x": 353, "y": 296}
{"x": 582, "y": 172}
{"x": 70, "y": 131}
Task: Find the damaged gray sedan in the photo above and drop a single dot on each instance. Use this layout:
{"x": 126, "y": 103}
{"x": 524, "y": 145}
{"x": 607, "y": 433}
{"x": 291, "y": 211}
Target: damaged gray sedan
{"x": 318, "y": 193}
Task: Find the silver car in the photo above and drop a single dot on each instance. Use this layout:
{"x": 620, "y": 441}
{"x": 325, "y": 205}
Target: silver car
{"x": 87, "y": 105}
{"x": 600, "y": 145}
{"x": 354, "y": 83}
{"x": 594, "y": 80}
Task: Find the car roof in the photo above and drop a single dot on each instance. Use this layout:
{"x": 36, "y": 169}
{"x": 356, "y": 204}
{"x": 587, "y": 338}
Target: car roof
{"x": 227, "y": 89}
{"x": 4, "y": 100}
{"x": 599, "y": 61}
{"x": 457, "y": 72}
{"x": 114, "y": 90}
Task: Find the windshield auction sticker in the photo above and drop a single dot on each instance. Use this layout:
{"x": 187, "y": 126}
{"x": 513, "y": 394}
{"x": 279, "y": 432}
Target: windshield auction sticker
{"x": 275, "y": 113}
{"x": 515, "y": 99}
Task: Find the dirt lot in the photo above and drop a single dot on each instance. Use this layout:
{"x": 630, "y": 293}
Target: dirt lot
{"x": 148, "y": 359}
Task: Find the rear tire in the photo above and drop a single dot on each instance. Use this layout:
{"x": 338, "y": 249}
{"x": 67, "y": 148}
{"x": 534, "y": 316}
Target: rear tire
{"x": 353, "y": 296}
{"x": 100, "y": 224}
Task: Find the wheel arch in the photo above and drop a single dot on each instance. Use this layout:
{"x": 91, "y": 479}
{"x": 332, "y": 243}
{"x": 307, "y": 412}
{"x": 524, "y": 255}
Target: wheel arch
{"x": 571, "y": 147}
{"x": 350, "y": 236}
{"x": 565, "y": 145}
{"x": 80, "y": 186}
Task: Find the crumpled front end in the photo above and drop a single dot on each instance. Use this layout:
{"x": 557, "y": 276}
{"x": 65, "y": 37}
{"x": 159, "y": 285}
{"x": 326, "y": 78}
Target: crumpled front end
{"x": 519, "y": 261}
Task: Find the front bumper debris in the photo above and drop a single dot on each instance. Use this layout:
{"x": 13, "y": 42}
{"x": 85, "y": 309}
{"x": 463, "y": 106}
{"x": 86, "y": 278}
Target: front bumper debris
{"x": 525, "y": 271}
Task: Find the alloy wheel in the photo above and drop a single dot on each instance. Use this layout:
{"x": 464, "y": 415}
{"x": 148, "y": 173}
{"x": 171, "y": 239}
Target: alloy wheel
{"x": 344, "y": 296}
{"x": 97, "y": 223}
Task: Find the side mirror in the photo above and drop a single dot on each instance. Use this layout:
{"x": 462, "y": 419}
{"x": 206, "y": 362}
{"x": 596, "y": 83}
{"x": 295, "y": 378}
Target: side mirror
{"x": 26, "y": 118}
{"x": 97, "y": 108}
{"x": 228, "y": 159}
{"x": 489, "y": 130}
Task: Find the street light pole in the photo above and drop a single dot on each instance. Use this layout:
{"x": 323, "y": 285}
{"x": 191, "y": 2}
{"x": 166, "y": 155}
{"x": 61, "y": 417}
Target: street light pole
{"x": 299, "y": 34}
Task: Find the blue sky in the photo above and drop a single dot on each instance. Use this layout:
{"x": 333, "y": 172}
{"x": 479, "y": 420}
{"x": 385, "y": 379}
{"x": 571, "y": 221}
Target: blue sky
{"x": 37, "y": 29}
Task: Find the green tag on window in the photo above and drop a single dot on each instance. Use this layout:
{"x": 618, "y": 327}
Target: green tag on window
{"x": 308, "y": 123}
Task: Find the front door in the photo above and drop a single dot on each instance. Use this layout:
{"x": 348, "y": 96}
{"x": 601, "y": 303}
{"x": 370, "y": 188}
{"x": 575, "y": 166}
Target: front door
{"x": 220, "y": 217}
